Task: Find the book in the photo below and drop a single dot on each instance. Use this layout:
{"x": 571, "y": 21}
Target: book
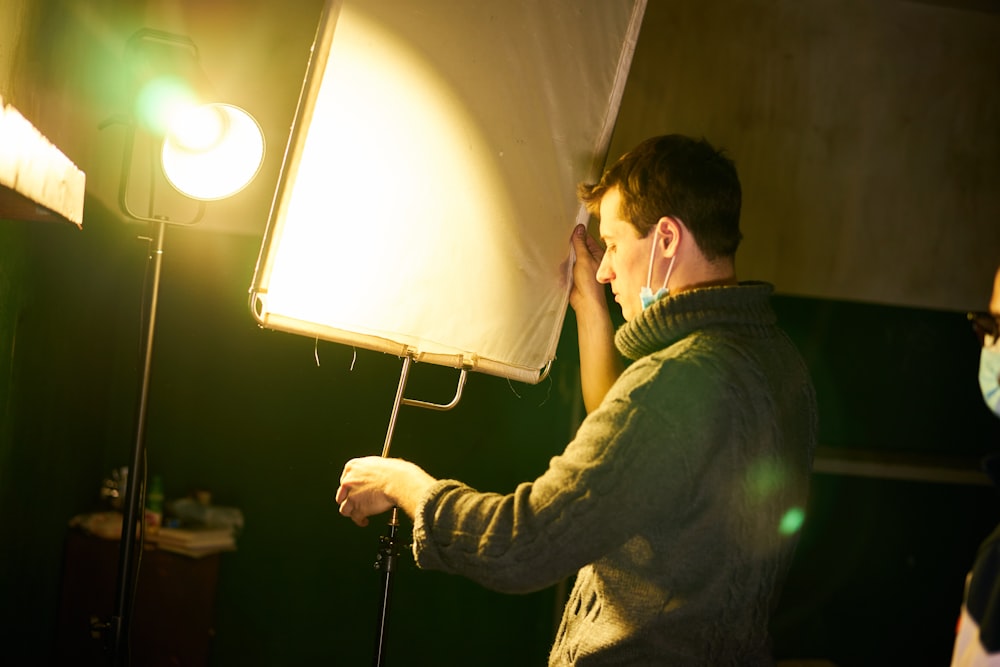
{"x": 194, "y": 541}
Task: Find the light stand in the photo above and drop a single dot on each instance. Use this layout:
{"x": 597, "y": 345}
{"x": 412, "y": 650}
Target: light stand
{"x": 127, "y": 568}
{"x": 234, "y": 139}
{"x": 388, "y": 551}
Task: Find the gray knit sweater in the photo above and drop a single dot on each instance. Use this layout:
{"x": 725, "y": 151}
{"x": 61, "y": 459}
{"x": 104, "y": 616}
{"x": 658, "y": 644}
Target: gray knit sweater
{"x": 676, "y": 503}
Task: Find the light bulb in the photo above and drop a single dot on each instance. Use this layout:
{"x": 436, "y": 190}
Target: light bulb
{"x": 212, "y": 151}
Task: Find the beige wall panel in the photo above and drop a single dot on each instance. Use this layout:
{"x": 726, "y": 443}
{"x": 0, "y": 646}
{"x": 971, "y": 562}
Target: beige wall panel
{"x": 866, "y": 133}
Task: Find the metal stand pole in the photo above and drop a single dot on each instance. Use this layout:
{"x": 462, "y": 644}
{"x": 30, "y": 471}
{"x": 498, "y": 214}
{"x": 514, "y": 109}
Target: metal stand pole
{"x": 388, "y": 551}
{"x": 386, "y": 559}
{"x": 386, "y": 563}
{"x": 122, "y": 615}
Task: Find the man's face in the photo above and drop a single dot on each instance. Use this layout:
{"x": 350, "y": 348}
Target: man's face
{"x": 626, "y": 259}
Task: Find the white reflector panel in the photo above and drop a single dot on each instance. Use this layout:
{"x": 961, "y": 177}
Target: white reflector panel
{"x": 428, "y": 193}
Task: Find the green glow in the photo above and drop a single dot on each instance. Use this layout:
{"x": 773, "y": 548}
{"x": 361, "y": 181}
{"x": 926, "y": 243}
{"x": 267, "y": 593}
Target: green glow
{"x": 764, "y": 478}
{"x": 792, "y": 521}
{"x": 160, "y": 100}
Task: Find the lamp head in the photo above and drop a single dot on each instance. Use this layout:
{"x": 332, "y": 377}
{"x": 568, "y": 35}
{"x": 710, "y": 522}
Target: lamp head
{"x": 207, "y": 150}
{"x": 212, "y": 151}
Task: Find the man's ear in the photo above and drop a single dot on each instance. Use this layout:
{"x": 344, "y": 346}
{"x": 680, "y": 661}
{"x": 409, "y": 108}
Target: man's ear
{"x": 671, "y": 232}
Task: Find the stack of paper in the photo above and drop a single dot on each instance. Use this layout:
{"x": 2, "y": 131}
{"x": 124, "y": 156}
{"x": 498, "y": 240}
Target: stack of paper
{"x": 194, "y": 541}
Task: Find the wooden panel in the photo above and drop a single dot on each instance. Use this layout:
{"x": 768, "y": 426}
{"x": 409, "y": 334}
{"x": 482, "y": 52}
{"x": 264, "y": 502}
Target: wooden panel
{"x": 864, "y": 131}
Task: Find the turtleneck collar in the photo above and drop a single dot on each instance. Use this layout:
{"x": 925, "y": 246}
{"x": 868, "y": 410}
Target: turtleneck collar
{"x": 671, "y": 318}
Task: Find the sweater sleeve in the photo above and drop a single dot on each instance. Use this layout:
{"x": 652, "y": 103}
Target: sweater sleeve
{"x": 627, "y": 462}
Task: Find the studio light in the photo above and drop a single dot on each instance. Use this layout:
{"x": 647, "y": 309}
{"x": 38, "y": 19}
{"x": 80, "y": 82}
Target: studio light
{"x": 212, "y": 151}
{"x": 205, "y": 150}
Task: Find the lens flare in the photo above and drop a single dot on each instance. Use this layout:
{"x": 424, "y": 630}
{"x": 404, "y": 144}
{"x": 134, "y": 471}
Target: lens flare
{"x": 200, "y": 128}
{"x": 764, "y": 478}
{"x": 792, "y": 521}
{"x": 161, "y": 100}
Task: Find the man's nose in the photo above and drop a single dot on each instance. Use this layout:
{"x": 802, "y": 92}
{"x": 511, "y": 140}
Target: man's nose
{"x": 604, "y": 272}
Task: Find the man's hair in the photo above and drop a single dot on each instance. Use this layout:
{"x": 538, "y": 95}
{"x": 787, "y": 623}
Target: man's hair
{"x": 679, "y": 177}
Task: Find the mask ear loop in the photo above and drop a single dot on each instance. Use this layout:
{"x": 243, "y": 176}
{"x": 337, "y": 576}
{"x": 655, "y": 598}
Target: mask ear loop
{"x": 670, "y": 268}
{"x": 652, "y": 254}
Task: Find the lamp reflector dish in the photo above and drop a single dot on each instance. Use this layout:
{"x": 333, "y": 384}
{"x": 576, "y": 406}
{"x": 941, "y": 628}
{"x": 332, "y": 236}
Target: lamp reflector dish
{"x": 212, "y": 151}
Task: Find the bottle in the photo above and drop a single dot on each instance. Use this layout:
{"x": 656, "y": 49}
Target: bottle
{"x": 154, "y": 504}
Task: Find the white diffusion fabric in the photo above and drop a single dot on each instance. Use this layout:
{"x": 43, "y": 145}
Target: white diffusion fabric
{"x": 428, "y": 193}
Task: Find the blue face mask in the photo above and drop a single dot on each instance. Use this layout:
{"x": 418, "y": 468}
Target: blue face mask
{"x": 646, "y": 295}
{"x": 989, "y": 375}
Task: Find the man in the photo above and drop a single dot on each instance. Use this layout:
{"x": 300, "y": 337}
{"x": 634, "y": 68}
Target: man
{"x": 977, "y": 643}
{"x": 678, "y": 501}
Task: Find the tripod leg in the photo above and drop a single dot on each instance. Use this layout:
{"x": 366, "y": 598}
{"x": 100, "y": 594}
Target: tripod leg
{"x": 386, "y": 563}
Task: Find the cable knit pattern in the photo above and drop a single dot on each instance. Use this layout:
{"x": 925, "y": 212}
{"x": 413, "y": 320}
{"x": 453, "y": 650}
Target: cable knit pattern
{"x": 675, "y": 502}
{"x": 672, "y": 319}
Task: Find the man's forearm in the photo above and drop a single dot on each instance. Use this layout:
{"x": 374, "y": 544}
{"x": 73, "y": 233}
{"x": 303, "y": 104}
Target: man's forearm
{"x": 407, "y": 487}
{"x": 600, "y": 363}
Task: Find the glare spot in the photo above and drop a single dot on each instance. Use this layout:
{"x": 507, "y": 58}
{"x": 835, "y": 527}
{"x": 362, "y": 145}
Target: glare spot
{"x": 160, "y": 100}
{"x": 764, "y": 478}
{"x": 215, "y": 154}
{"x": 792, "y": 521}
{"x": 199, "y": 128}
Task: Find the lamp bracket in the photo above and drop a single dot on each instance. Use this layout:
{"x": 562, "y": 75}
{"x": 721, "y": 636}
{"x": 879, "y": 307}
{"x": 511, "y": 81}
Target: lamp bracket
{"x": 126, "y": 178}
